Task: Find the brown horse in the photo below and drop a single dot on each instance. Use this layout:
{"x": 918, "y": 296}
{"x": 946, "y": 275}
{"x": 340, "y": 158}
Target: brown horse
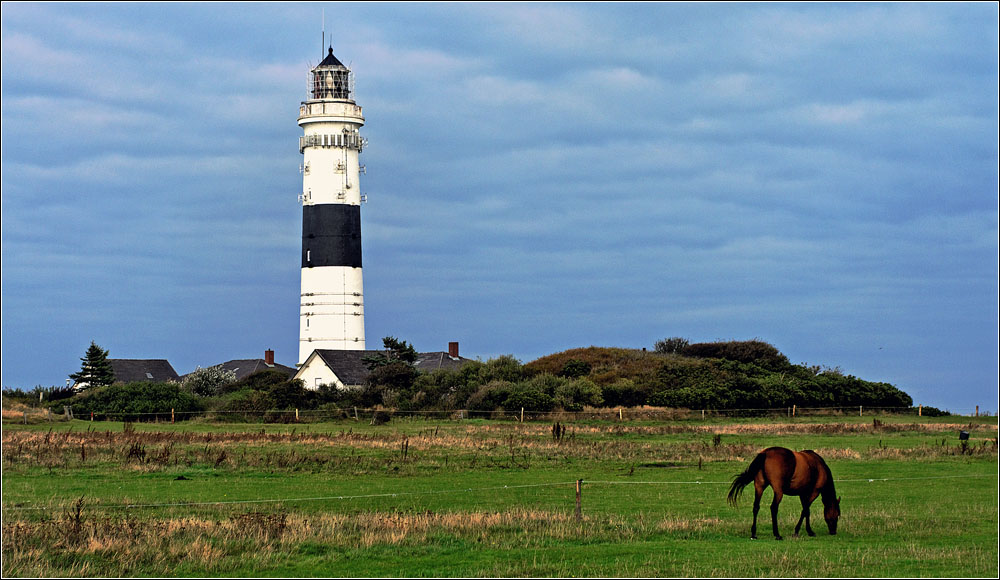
{"x": 801, "y": 473}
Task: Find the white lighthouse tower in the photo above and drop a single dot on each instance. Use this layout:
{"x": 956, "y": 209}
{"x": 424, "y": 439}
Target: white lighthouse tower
{"x": 332, "y": 313}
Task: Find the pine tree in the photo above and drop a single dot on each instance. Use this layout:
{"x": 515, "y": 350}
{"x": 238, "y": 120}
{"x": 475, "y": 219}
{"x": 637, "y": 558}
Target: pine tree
{"x": 96, "y": 370}
{"x": 395, "y": 351}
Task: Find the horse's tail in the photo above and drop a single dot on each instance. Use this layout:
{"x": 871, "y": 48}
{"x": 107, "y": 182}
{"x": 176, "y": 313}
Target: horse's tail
{"x": 743, "y": 479}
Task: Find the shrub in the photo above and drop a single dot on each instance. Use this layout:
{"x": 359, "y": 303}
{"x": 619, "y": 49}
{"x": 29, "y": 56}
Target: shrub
{"x": 396, "y": 375}
{"x": 489, "y": 396}
{"x": 932, "y": 412}
{"x": 209, "y": 381}
{"x": 573, "y": 396}
{"x": 503, "y": 368}
{"x": 523, "y": 396}
{"x": 134, "y": 399}
{"x": 545, "y": 383}
{"x": 575, "y": 368}
{"x": 674, "y": 345}
{"x": 624, "y": 393}
{"x": 39, "y": 396}
{"x": 746, "y": 351}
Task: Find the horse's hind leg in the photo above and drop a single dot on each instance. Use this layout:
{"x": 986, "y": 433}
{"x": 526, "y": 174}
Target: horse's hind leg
{"x": 756, "y": 508}
{"x": 774, "y": 513}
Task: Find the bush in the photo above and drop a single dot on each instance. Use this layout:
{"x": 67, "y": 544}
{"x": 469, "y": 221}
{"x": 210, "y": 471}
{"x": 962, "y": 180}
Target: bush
{"x": 132, "y": 400}
{"x": 624, "y": 393}
{"x": 209, "y": 382}
{"x": 575, "y": 368}
{"x": 745, "y": 351}
{"x": 489, "y": 396}
{"x": 674, "y": 345}
{"x": 573, "y": 396}
{"x": 39, "y": 396}
{"x": 931, "y": 412}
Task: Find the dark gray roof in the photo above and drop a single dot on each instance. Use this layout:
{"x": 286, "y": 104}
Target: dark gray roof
{"x": 346, "y": 364}
{"x": 349, "y": 365}
{"x": 331, "y": 60}
{"x": 246, "y": 367}
{"x": 431, "y": 361}
{"x": 129, "y": 370}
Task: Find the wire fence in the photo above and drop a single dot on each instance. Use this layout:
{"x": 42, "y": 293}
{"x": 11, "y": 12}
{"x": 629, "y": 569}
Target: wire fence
{"x": 577, "y": 484}
{"x": 380, "y": 414}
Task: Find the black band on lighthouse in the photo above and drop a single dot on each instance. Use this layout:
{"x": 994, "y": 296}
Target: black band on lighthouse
{"x": 331, "y": 235}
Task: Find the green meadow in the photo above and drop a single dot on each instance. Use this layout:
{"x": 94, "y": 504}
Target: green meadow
{"x": 481, "y": 498}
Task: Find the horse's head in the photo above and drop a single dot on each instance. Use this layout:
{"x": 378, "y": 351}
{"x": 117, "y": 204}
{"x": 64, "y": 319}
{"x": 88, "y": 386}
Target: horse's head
{"x": 831, "y": 512}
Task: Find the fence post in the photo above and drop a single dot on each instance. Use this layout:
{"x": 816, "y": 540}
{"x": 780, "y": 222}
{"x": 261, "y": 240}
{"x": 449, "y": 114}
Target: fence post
{"x": 620, "y": 414}
{"x": 793, "y": 410}
{"x": 171, "y": 414}
{"x": 355, "y": 413}
{"x": 296, "y": 415}
{"x": 977, "y": 410}
{"x": 920, "y": 411}
{"x": 861, "y": 410}
{"x": 522, "y": 414}
{"x": 579, "y": 495}
{"x": 24, "y": 417}
{"x": 703, "y": 414}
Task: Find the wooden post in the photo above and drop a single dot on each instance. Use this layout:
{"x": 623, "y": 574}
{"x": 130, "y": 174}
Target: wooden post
{"x": 296, "y": 415}
{"x": 703, "y": 414}
{"x": 861, "y": 411}
{"x": 793, "y": 410}
{"x": 579, "y": 495}
{"x": 24, "y": 417}
{"x": 171, "y": 414}
{"x": 620, "y": 414}
{"x": 355, "y": 413}
{"x": 522, "y": 414}
{"x": 920, "y": 411}
{"x": 977, "y": 410}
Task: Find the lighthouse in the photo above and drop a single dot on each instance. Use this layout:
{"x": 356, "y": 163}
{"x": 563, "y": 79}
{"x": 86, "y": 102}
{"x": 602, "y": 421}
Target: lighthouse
{"x": 332, "y": 313}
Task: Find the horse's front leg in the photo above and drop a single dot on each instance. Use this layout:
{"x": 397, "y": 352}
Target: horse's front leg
{"x": 774, "y": 514}
{"x": 806, "y": 502}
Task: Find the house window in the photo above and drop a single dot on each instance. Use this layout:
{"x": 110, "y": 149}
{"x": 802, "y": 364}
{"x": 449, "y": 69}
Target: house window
{"x": 317, "y": 382}
{"x": 149, "y": 375}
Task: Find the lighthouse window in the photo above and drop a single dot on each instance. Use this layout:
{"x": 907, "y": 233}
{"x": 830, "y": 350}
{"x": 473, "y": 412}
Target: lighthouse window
{"x": 308, "y": 255}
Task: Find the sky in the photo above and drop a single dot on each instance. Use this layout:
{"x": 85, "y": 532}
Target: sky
{"x": 540, "y": 177}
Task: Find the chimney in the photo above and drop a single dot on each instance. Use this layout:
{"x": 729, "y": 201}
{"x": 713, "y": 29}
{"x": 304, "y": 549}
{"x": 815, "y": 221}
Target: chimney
{"x": 269, "y": 357}
{"x": 453, "y": 349}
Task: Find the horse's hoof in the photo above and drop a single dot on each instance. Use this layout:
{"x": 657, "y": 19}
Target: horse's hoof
{"x": 812, "y": 534}
{"x": 778, "y": 538}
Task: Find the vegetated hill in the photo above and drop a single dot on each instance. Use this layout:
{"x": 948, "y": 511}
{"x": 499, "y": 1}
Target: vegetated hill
{"x": 720, "y": 375}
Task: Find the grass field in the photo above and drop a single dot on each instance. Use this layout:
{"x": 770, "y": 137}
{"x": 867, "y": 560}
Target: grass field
{"x": 489, "y": 498}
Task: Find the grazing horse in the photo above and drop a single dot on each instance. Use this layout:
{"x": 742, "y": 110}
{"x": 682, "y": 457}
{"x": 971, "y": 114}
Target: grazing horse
{"x": 801, "y": 473}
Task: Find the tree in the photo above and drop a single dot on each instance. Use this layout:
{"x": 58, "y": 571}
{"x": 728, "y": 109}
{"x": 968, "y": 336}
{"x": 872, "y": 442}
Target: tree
{"x": 96, "y": 370}
{"x": 395, "y": 351}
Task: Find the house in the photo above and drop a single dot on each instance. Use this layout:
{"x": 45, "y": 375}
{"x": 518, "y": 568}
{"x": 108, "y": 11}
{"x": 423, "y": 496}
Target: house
{"x": 243, "y": 368}
{"x": 130, "y": 370}
{"x": 346, "y": 368}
